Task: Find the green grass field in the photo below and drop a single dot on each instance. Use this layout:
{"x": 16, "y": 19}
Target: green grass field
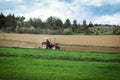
{"x": 35, "y": 64}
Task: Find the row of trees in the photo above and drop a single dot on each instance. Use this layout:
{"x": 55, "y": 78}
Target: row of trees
{"x": 52, "y": 25}
{"x": 10, "y": 22}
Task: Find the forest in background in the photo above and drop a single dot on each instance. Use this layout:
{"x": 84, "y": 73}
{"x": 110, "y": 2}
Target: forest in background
{"x": 53, "y": 25}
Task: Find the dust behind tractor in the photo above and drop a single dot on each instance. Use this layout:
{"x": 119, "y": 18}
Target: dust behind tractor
{"x": 50, "y": 44}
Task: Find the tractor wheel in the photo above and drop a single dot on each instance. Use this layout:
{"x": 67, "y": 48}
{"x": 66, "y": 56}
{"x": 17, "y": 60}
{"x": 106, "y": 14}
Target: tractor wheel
{"x": 54, "y": 47}
{"x": 44, "y": 46}
{"x": 58, "y": 47}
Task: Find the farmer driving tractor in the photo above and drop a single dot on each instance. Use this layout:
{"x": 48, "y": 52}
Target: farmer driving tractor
{"x": 48, "y": 42}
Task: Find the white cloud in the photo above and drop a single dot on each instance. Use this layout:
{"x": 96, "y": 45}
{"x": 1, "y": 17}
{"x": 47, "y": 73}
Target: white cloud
{"x": 77, "y": 9}
{"x": 108, "y": 19}
{"x": 47, "y": 8}
{"x": 62, "y": 10}
{"x": 14, "y": 1}
{"x": 90, "y": 2}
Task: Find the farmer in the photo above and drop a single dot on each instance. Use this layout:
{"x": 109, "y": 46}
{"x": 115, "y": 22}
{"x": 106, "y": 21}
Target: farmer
{"x": 48, "y": 42}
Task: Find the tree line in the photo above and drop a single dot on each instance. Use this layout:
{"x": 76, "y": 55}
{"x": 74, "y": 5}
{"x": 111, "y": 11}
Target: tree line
{"x": 53, "y": 25}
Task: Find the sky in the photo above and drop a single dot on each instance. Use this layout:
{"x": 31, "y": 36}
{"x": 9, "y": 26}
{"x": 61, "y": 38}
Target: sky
{"x": 96, "y": 11}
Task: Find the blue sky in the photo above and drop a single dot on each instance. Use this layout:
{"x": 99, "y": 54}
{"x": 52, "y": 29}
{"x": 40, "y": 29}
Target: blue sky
{"x": 97, "y": 11}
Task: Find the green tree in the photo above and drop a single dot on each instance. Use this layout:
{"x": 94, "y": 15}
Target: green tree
{"x": 50, "y": 22}
{"x": 20, "y": 21}
{"x": 84, "y": 24}
{"x": 37, "y": 23}
{"x": 58, "y": 23}
{"x": 74, "y": 28}
{"x": 75, "y": 23}
{"x": 2, "y": 21}
{"x": 31, "y": 22}
{"x": 116, "y": 30}
{"x": 86, "y": 28}
{"x": 11, "y": 23}
{"x": 67, "y": 23}
{"x": 90, "y": 24}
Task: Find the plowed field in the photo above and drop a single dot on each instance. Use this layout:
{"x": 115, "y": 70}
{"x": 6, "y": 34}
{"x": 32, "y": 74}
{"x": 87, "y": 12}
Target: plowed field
{"x": 102, "y": 43}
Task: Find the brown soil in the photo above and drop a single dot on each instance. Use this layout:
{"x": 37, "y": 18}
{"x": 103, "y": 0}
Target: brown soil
{"x": 16, "y": 44}
{"x": 11, "y": 43}
{"x": 89, "y": 40}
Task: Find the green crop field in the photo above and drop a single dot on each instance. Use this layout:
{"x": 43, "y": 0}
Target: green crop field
{"x": 37, "y": 64}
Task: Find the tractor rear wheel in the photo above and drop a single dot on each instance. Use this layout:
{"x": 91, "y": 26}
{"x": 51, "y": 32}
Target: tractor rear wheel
{"x": 44, "y": 46}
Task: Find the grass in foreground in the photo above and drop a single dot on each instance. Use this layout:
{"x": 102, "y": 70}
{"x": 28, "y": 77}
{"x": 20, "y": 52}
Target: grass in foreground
{"x": 34, "y": 64}
{"x": 60, "y": 55}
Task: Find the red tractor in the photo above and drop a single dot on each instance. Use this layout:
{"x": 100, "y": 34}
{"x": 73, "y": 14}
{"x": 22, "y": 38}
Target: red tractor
{"x": 49, "y": 45}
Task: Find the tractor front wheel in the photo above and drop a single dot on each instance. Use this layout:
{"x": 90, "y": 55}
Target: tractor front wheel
{"x": 54, "y": 47}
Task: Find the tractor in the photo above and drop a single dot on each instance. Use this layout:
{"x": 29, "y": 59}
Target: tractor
{"x": 48, "y": 44}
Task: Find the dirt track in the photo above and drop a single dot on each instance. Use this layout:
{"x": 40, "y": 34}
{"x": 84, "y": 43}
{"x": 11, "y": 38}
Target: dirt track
{"x": 11, "y": 43}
